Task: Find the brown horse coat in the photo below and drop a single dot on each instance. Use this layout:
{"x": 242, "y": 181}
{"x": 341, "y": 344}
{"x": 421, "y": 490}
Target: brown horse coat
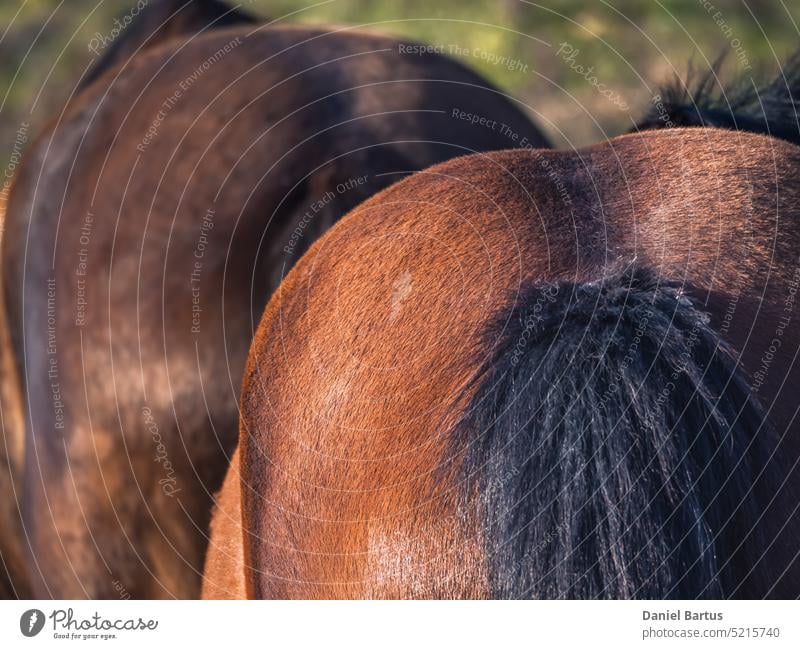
{"x": 158, "y": 22}
{"x": 13, "y": 561}
{"x": 146, "y": 230}
{"x": 362, "y": 364}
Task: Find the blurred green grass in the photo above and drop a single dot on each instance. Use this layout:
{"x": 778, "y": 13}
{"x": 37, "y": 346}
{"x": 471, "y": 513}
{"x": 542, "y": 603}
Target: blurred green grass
{"x": 632, "y": 46}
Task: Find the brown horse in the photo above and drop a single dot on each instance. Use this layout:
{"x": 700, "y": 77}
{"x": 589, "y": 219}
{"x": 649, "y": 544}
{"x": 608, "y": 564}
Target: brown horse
{"x": 156, "y": 23}
{"x": 533, "y": 374}
{"x": 146, "y": 230}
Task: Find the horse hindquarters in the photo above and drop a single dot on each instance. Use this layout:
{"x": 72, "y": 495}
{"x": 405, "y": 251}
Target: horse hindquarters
{"x": 224, "y": 576}
{"x": 106, "y": 523}
{"x": 13, "y": 569}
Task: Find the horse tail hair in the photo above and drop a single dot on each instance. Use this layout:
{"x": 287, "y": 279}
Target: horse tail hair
{"x": 150, "y": 23}
{"x": 770, "y": 108}
{"x": 614, "y": 447}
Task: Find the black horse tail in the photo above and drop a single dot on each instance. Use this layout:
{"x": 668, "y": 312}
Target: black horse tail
{"x": 615, "y": 448}
{"x": 151, "y": 22}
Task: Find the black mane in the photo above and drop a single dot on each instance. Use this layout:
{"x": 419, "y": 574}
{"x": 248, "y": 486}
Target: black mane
{"x": 743, "y": 105}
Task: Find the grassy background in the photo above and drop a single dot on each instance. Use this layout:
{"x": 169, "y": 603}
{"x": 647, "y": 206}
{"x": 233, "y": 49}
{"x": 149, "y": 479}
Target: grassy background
{"x": 632, "y": 45}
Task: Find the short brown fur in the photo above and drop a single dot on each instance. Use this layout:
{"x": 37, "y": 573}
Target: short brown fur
{"x": 357, "y": 371}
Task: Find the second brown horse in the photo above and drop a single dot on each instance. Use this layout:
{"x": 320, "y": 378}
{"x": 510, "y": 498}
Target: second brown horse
{"x": 146, "y": 230}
